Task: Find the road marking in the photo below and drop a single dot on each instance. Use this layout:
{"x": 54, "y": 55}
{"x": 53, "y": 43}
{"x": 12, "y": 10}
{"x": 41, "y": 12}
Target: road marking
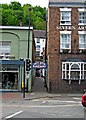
{"x": 55, "y": 106}
{"x": 10, "y": 116}
{"x": 44, "y": 102}
{"x": 42, "y": 106}
{"x": 57, "y": 101}
{"x": 68, "y": 101}
{"x": 43, "y": 112}
{"x": 47, "y": 113}
{"x": 40, "y": 99}
{"x": 62, "y": 101}
{"x": 53, "y": 114}
{"x": 66, "y": 115}
{"x": 76, "y": 98}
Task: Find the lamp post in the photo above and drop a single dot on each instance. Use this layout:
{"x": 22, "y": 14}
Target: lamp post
{"x": 46, "y": 41}
{"x": 46, "y": 55}
{"x": 28, "y": 43}
{"x": 28, "y": 34}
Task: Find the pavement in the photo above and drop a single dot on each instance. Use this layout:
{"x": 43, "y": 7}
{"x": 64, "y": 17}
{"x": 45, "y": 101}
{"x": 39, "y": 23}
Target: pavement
{"x": 16, "y": 96}
{"x": 38, "y": 92}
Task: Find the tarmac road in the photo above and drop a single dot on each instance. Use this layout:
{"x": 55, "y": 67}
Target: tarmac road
{"x": 42, "y": 105}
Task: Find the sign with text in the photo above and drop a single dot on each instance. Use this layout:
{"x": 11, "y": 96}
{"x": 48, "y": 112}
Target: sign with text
{"x": 40, "y": 65}
{"x": 69, "y": 27}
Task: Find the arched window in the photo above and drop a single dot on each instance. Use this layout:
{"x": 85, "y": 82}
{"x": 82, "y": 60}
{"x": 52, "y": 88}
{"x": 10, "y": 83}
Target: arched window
{"x": 74, "y": 70}
{"x": 75, "y": 67}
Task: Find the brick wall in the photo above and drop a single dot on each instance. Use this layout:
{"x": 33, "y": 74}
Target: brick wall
{"x": 55, "y": 58}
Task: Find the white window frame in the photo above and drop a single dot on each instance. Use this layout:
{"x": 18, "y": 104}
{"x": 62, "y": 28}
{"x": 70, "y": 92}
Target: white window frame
{"x": 38, "y": 40}
{"x": 37, "y": 53}
{"x": 67, "y": 71}
{"x": 81, "y": 18}
{"x": 37, "y": 47}
{"x": 5, "y": 47}
{"x": 66, "y": 21}
{"x": 68, "y": 42}
{"x": 80, "y": 42}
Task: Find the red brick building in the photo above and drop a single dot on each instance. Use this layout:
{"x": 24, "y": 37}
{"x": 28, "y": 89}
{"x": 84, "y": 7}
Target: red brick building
{"x": 66, "y": 46}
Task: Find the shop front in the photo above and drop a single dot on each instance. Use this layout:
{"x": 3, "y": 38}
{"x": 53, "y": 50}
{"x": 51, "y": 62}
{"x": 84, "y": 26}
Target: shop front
{"x": 11, "y": 72}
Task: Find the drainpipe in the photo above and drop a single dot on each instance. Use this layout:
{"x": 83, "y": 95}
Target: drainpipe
{"x": 45, "y": 52}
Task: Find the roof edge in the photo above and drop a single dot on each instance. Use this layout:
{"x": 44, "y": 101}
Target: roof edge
{"x": 16, "y": 27}
{"x": 67, "y": 4}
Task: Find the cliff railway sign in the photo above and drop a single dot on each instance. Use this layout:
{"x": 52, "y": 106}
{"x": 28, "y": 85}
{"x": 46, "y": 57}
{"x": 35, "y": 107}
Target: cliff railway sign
{"x": 40, "y": 65}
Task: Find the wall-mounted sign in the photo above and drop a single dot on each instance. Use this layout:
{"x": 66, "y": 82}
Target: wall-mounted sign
{"x": 40, "y": 65}
{"x": 69, "y": 27}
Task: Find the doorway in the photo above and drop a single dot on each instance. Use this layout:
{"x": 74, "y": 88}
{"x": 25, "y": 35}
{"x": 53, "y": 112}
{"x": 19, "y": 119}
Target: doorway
{"x": 10, "y": 80}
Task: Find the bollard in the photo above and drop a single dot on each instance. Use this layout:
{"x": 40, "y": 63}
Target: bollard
{"x": 23, "y": 89}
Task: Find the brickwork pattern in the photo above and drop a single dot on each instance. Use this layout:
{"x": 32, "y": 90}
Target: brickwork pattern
{"x": 55, "y": 58}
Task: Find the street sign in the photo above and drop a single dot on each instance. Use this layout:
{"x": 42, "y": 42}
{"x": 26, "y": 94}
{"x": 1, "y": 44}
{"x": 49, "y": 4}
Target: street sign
{"x": 40, "y": 65}
{"x": 27, "y": 75}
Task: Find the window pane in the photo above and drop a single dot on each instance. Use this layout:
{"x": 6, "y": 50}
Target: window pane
{"x": 82, "y": 17}
{"x": 37, "y": 53}
{"x": 67, "y": 66}
{"x": 74, "y": 67}
{"x": 63, "y": 75}
{"x": 65, "y": 41}
{"x": 85, "y": 75}
{"x": 67, "y": 46}
{"x": 5, "y": 48}
{"x": 65, "y": 17}
{"x": 63, "y": 66}
{"x": 82, "y": 41}
{"x": 74, "y": 75}
{"x": 38, "y": 40}
{"x": 84, "y": 66}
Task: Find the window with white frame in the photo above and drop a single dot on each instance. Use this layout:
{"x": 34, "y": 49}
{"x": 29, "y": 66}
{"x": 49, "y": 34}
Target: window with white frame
{"x": 82, "y": 40}
{"x": 65, "y": 16}
{"x": 37, "y": 53}
{"x": 38, "y": 40}
{"x": 82, "y": 17}
{"x": 37, "y": 47}
{"x": 74, "y": 70}
{"x": 65, "y": 40}
{"x": 5, "y": 48}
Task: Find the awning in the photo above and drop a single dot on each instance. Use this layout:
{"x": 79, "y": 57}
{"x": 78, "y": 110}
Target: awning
{"x": 11, "y": 62}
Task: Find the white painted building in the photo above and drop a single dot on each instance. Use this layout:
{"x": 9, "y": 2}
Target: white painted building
{"x": 40, "y": 40}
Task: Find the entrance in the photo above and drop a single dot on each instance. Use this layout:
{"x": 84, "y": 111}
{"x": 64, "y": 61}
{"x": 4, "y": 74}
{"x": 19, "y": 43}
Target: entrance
{"x": 39, "y": 72}
{"x": 40, "y": 82}
{"x": 10, "y": 80}
{"x": 11, "y": 74}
